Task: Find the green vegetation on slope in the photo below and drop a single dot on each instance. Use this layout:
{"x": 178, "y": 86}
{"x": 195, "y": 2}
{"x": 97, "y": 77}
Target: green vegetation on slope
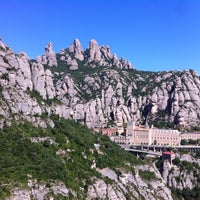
{"x": 147, "y": 175}
{"x": 19, "y": 156}
{"x": 186, "y": 194}
{"x": 140, "y": 78}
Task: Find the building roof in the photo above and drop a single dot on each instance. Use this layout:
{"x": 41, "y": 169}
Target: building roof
{"x": 168, "y": 153}
{"x": 141, "y": 128}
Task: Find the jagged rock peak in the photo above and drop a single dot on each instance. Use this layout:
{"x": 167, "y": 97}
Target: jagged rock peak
{"x": 93, "y": 43}
{"x": 49, "y": 57}
{"x": 2, "y": 45}
{"x": 94, "y": 53}
{"x": 101, "y": 55}
{"x": 49, "y": 49}
{"x": 93, "y": 56}
{"x": 76, "y": 48}
{"x": 176, "y": 93}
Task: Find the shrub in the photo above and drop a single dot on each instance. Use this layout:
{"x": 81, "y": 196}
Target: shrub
{"x": 147, "y": 175}
{"x": 35, "y": 94}
{"x": 5, "y": 76}
{"x": 176, "y": 161}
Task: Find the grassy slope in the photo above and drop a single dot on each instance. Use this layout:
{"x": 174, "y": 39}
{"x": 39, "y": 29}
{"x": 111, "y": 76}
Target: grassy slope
{"x": 19, "y": 156}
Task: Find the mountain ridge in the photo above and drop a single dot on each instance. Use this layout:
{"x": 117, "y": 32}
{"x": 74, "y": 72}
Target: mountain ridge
{"x": 42, "y": 152}
{"x": 95, "y": 88}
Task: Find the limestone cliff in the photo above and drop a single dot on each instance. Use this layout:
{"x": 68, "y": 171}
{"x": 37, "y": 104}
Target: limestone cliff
{"x": 183, "y": 173}
{"x": 95, "y": 88}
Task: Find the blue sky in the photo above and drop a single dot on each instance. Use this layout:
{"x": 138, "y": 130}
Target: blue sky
{"x": 155, "y": 35}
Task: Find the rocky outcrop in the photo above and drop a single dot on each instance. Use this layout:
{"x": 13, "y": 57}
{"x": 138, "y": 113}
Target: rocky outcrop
{"x": 101, "y": 56}
{"x": 69, "y": 61}
{"x": 38, "y": 77}
{"x": 96, "y": 88}
{"x": 182, "y": 175}
{"x": 40, "y": 191}
{"x": 110, "y": 93}
{"x": 19, "y": 81}
{"x": 76, "y": 50}
{"x": 94, "y": 54}
{"x": 129, "y": 185}
{"x": 50, "y": 89}
{"x": 49, "y": 57}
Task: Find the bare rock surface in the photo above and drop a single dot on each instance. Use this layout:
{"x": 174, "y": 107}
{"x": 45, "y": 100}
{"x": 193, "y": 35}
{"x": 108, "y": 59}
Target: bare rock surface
{"x": 96, "y": 88}
{"x": 127, "y": 183}
{"x": 76, "y": 49}
{"x": 49, "y": 57}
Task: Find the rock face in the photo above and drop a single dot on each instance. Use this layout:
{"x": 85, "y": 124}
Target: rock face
{"x": 76, "y": 49}
{"x": 183, "y": 174}
{"x": 126, "y": 183}
{"x": 40, "y": 191}
{"x": 94, "y": 53}
{"x": 101, "y": 56}
{"x": 49, "y": 57}
{"x": 123, "y": 186}
{"x": 95, "y": 88}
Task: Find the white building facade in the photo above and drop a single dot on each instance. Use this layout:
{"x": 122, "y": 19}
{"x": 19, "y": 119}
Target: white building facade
{"x": 137, "y": 135}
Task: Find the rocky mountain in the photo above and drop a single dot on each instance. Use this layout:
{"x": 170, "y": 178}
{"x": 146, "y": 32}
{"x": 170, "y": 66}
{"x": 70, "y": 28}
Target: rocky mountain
{"x": 94, "y": 87}
{"x": 68, "y": 161}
